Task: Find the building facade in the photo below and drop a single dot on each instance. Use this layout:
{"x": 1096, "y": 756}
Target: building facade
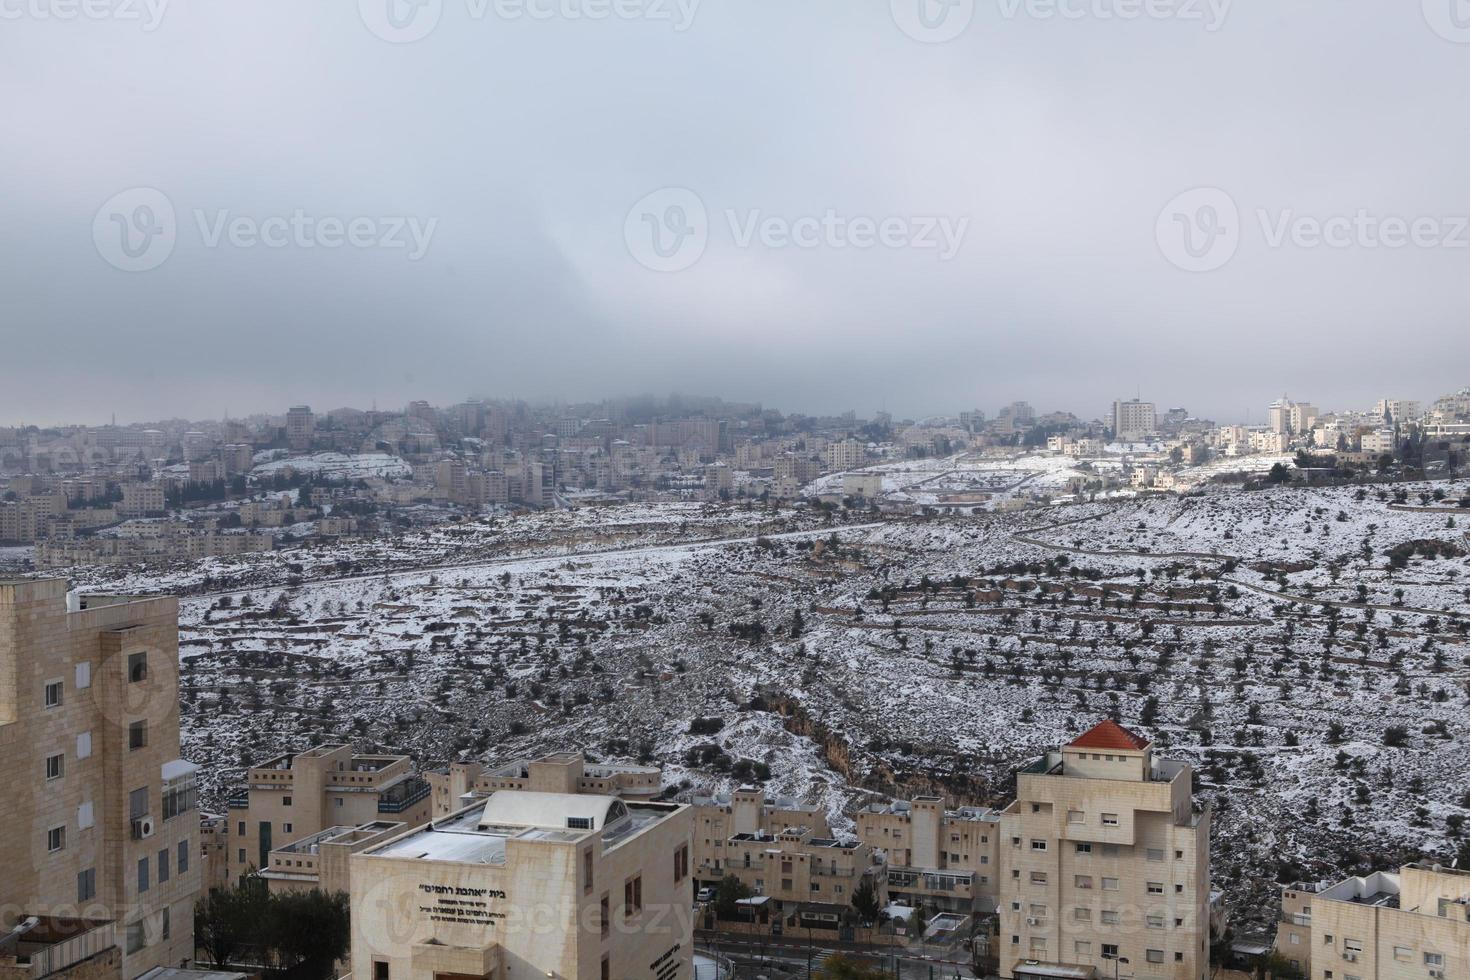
{"x": 99, "y": 805}
{"x": 297, "y": 795}
{"x": 529, "y": 884}
{"x": 1105, "y": 864}
{"x": 1413, "y": 925}
{"x": 934, "y": 857}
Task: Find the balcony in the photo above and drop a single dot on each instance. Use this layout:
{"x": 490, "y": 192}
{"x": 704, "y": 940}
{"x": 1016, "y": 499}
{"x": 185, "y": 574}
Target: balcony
{"x": 404, "y": 795}
{"x": 41, "y": 946}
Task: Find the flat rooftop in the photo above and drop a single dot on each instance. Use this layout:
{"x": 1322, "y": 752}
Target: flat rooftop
{"x": 475, "y": 835}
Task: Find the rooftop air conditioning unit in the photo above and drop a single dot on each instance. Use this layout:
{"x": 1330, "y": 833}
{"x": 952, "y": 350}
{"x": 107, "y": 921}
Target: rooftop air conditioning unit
{"x": 142, "y": 828}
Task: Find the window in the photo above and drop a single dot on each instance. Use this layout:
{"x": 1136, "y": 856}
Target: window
{"x": 1154, "y": 955}
{"x": 53, "y": 694}
{"x": 1080, "y": 914}
{"x": 84, "y": 815}
{"x": 1038, "y": 877}
{"x": 1110, "y": 820}
{"x": 1082, "y": 881}
{"x": 1109, "y": 917}
{"x": 55, "y": 839}
{"x": 1084, "y": 848}
{"x": 380, "y": 970}
{"x": 84, "y": 676}
{"x": 1156, "y": 888}
{"x": 241, "y": 856}
{"x": 1110, "y": 884}
{"x": 142, "y": 874}
{"x": 137, "y": 667}
{"x": 163, "y": 866}
{"x": 1434, "y": 959}
{"x": 633, "y": 895}
{"x": 137, "y": 735}
{"x": 606, "y": 969}
{"x": 1179, "y": 855}
{"x": 604, "y": 911}
{"x": 586, "y": 872}
{"x": 285, "y": 801}
{"x": 134, "y": 936}
{"x": 84, "y": 745}
{"x": 87, "y": 885}
{"x": 1038, "y": 845}
{"x": 1082, "y": 949}
{"x": 1155, "y": 854}
{"x": 54, "y": 765}
{"x": 183, "y": 861}
{"x": 179, "y": 799}
{"x": 681, "y": 863}
{"x": 285, "y": 828}
{"x": 1075, "y": 816}
{"x": 242, "y": 829}
{"x": 1110, "y": 951}
{"x": 1157, "y": 922}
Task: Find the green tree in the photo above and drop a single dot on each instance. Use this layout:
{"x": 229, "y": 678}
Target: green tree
{"x": 865, "y": 900}
{"x": 728, "y": 896}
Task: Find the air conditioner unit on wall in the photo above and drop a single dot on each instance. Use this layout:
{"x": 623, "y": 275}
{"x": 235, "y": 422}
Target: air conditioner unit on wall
{"x": 142, "y": 827}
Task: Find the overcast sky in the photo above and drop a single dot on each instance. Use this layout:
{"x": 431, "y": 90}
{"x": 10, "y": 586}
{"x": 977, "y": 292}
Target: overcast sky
{"x": 472, "y": 212}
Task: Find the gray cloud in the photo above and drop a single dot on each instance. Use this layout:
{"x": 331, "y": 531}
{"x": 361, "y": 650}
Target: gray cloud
{"x": 1059, "y": 139}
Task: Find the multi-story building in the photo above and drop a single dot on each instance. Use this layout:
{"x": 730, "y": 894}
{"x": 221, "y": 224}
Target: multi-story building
{"x": 141, "y": 500}
{"x": 1294, "y": 923}
{"x": 300, "y": 427}
{"x": 1105, "y": 863}
{"x": 720, "y": 817}
{"x": 809, "y": 877}
{"x": 943, "y": 859}
{"x": 561, "y": 772}
{"x": 1397, "y": 411}
{"x": 848, "y": 454}
{"x": 1413, "y": 925}
{"x": 1134, "y": 420}
{"x": 526, "y": 884}
{"x": 320, "y": 861}
{"x": 98, "y": 805}
{"x": 297, "y": 795}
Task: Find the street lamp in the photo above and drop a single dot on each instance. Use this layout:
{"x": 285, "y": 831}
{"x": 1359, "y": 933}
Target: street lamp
{"x": 1116, "y": 961}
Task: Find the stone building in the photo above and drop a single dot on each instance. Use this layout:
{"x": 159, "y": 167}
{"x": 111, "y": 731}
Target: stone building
{"x": 103, "y": 843}
{"x": 522, "y": 884}
{"x": 1105, "y": 864}
{"x": 297, "y": 795}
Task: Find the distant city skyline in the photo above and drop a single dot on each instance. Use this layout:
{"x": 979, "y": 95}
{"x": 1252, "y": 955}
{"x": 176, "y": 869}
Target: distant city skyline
{"x": 1255, "y": 413}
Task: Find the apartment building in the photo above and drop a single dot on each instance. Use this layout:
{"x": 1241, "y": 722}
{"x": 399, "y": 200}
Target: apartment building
{"x": 320, "y": 861}
{"x": 934, "y": 857}
{"x": 1413, "y": 925}
{"x": 722, "y": 816}
{"x": 98, "y": 805}
{"x": 454, "y": 786}
{"x": 300, "y": 427}
{"x": 296, "y": 795}
{"x": 1105, "y": 864}
{"x": 522, "y": 884}
{"x": 1134, "y": 420}
{"x": 847, "y": 454}
{"x": 810, "y": 878}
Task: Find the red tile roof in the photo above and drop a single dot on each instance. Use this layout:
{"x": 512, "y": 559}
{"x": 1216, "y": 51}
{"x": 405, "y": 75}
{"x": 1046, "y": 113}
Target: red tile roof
{"x": 1108, "y": 734}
